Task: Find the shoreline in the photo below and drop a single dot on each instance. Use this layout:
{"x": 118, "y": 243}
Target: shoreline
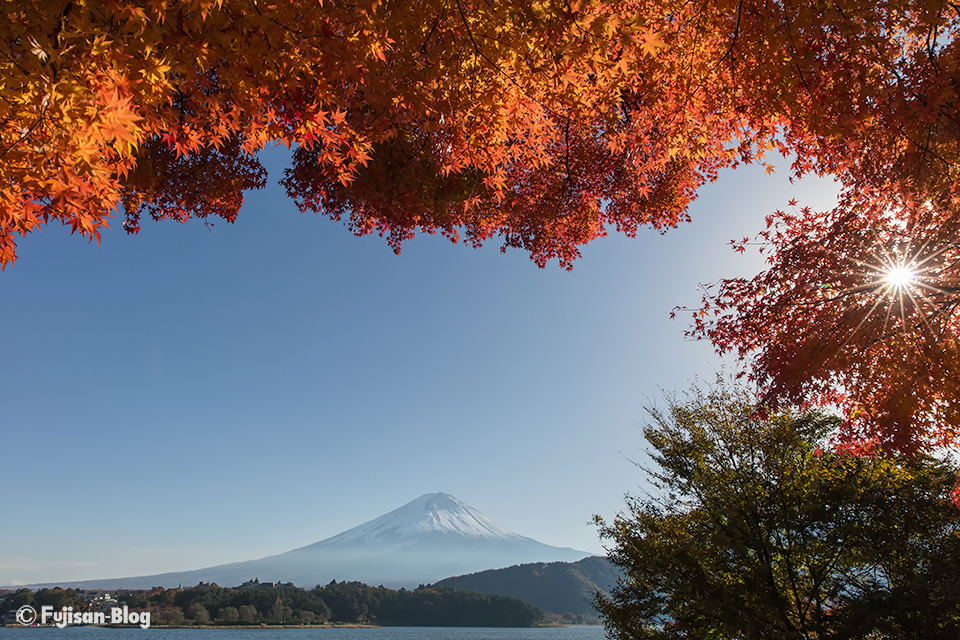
{"x": 354, "y": 625}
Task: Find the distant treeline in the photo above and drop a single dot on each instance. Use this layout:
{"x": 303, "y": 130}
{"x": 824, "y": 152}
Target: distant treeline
{"x": 338, "y": 602}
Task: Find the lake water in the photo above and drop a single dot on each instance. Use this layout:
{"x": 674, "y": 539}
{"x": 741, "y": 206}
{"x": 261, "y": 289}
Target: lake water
{"x": 383, "y": 633}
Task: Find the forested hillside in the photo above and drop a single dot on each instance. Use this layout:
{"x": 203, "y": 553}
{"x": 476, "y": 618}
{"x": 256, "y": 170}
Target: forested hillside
{"x": 256, "y": 603}
{"x": 558, "y": 587}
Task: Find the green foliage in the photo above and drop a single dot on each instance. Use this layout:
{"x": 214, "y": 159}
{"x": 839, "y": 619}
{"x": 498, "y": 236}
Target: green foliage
{"x": 230, "y": 615}
{"x": 348, "y": 601}
{"x": 338, "y": 602}
{"x": 759, "y": 530}
{"x": 16, "y": 599}
{"x": 248, "y": 614}
{"x": 273, "y": 605}
{"x": 450, "y": 607}
{"x": 167, "y": 616}
{"x": 58, "y": 598}
{"x": 425, "y": 607}
{"x": 198, "y": 613}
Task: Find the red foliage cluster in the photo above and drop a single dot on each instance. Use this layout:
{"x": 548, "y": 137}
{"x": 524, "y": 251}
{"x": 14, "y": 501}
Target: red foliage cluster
{"x": 858, "y": 310}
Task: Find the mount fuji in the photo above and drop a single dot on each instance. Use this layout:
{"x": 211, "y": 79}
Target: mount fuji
{"x": 426, "y": 540}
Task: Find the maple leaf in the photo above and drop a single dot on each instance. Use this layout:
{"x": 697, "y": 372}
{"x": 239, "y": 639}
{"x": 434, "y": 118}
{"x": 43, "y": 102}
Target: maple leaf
{"x": 651, "y": 42}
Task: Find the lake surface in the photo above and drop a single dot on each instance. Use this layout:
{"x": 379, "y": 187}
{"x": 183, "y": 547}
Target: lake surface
{"x": 383, "y": 633}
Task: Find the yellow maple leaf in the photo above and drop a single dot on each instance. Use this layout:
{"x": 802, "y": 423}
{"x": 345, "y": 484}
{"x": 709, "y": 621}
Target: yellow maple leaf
{"x": 650, "y": 42}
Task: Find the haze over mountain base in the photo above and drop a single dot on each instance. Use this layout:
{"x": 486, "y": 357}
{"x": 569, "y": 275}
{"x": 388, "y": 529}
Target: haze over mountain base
{"x": 426, "y": 540}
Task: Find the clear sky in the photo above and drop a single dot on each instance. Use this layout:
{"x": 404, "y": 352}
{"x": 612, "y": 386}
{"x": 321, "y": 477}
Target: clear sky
{"x": 192, "y": 396}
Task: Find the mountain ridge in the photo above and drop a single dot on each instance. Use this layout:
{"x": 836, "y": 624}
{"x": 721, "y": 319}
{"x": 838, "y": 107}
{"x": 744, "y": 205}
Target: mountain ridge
{"x": 556, "y": 587}
{"x": 425, "y": 540}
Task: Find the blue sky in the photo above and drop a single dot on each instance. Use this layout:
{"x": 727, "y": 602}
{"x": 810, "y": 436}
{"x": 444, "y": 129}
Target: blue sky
{"x": 192, "y": 396}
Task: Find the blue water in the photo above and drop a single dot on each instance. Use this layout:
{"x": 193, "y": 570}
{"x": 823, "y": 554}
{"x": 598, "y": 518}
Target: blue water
{"x": 383, "y": 633}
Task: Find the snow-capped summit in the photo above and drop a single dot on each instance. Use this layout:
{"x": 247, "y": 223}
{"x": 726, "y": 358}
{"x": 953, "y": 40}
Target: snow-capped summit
{"x": 432, "y": 513}
{"x": 434, "y": 537}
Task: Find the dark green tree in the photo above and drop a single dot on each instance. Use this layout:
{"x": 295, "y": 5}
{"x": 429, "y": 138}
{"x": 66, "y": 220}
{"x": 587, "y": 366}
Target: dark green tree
{"x": 58, "y": 598}
{"x": 913, "y": 589}
{"x": 757, "y": 529}
{"x": 230, "y": 615}
{"x": 348, "y": 601}
{"x": 198, "y": 613}
{"x": 248, "y": 613}
{"x": 16, "y": 599}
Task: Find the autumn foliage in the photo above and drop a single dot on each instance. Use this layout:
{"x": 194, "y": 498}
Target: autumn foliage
{"x": 858, "y": 309}
{"x": 543, "y": 124}
{"x": 479, "y": 118}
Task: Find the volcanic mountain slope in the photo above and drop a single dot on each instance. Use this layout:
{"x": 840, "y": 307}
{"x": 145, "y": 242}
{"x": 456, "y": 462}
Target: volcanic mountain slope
{"x": 557, "y": 587}
{"x": 433, "y": 537}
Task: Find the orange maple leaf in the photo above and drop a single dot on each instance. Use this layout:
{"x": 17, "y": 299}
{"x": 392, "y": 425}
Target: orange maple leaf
{"x": 651, "y": 42}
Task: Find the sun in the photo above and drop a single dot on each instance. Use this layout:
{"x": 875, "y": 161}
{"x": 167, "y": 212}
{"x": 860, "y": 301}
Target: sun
{"x": 899, "y": 276}
{"x": 901, "y": 285}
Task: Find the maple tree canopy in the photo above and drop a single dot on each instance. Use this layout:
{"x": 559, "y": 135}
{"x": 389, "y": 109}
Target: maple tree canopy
{"x": 542, "y": 124}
